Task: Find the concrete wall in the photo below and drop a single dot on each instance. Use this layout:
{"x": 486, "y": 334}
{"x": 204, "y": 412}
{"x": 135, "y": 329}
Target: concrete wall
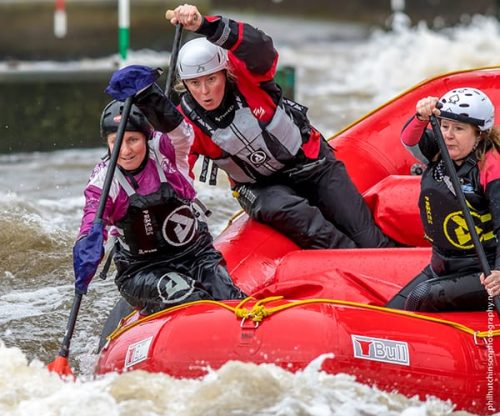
{"x": 58, "y": 110}
{"x": 27, "y": 29}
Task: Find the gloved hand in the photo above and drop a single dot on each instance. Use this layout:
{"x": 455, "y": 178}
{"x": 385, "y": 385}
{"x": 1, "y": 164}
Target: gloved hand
{"x": 158, "y": 109}
{"x": 131, "y": 80}
{"x": 87, "y": 254}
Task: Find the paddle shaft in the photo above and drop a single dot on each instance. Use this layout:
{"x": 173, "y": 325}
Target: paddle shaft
{"x": 70, "y": 328}
{"x": 173, "y": 59}
{"x": 127, "y": 107}
{"x": 483, "y": 260}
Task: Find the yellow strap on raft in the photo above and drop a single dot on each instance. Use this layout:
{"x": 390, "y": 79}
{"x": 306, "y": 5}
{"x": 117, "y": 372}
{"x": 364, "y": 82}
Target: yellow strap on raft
{"x": 259, "y": 312}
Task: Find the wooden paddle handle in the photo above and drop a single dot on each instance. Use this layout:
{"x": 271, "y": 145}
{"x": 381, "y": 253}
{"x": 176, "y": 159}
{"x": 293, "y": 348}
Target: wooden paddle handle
{"x": 169, "y": 14}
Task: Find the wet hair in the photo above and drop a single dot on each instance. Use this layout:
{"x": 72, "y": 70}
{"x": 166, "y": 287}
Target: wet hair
{"x": 488, "y": 140}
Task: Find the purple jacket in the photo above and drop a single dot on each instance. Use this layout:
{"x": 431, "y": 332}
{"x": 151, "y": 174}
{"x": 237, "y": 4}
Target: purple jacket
{"x": 172, "y": 150}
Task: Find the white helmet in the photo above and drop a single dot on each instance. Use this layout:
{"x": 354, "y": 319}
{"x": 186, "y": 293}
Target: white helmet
{"x": 200, "y": 57}
{"x": 468, "y": 105}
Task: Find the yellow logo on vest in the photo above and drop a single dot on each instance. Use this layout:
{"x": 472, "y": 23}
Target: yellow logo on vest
{"x": 457, "y": 233}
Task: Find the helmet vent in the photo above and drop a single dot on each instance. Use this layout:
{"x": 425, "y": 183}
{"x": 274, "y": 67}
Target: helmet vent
{"x": 469, "y": 105}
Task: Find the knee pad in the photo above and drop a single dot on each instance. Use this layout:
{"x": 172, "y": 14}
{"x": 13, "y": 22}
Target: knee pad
{"x": 434, "y": 295}
{"x": 174, "y": 289}
{"x": 448, "y": 293}
{"x": 418, "y": 298}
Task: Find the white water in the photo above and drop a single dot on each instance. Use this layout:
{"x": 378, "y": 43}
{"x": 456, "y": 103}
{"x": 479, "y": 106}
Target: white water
{"x": 341, "y": 74}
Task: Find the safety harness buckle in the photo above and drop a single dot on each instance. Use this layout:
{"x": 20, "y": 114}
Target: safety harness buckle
{"x": 305, "y": 167}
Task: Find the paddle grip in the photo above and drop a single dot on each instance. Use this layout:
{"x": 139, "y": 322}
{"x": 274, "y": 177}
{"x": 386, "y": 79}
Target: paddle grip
{"x": 169, "y": 14}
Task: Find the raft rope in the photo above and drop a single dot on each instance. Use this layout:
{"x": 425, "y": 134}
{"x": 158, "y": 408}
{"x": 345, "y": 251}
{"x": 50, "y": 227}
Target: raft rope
{"x": 259, "y": 311}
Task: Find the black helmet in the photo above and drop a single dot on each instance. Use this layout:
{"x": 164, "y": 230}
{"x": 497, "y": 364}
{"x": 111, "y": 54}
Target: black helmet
{"x": 111, "y": 116}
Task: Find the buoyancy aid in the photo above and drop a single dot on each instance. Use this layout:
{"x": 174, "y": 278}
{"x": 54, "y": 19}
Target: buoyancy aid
{"x": 441, "y": 213}
{"x": 159, "y": 222}
{"x": 251, "y": 150}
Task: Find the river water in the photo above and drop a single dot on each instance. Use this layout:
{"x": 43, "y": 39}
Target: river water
{"x": 343, "y": 71}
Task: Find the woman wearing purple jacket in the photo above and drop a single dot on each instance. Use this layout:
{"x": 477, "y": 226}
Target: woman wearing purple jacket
{"x": 164, "y": 253}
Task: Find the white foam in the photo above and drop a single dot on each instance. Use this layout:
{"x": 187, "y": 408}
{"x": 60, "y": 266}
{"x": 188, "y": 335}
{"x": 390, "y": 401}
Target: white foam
{"x": 236, "y": 388}
{"x": 393, "y": 61}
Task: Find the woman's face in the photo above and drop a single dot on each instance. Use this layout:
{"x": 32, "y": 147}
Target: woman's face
{"x": 208, "y": 90}
{"x": 133, "y": 149}
{"x": 460, "y": 138}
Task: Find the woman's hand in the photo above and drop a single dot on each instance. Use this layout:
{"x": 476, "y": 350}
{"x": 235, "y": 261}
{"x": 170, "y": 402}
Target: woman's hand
{"x": 427, "y": 106}
{"x": 491, "y": 283}
{"x": 188, "y": 16}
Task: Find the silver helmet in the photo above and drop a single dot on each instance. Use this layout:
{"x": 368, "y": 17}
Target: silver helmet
{"x": 200, "y": 57}
{"x": 468, "y": 105}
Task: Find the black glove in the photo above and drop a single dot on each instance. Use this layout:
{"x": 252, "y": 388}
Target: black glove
{"x": 158, "y": 109}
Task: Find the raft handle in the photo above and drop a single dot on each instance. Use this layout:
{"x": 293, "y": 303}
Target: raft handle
{"x": 478, "y": 339}
{"x": 242, "y": 324}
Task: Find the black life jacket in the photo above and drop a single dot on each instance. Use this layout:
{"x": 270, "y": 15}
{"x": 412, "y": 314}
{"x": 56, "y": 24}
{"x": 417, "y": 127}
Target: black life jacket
{"x": 159, "y": 222}
{"x": 441, "y": 213}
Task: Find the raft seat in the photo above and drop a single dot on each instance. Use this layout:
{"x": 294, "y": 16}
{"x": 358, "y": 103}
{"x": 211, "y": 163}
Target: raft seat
{"x": 252, "y": 251}
{"x": 371, "y": 276}
{"x": 394, "y": 204}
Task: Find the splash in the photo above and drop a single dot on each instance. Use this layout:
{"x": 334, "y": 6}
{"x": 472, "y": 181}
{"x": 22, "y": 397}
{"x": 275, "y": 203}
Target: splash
{"x": 234, "y": 389}
{"x": 341, "y": 80}
{"x": 394, "y": 61}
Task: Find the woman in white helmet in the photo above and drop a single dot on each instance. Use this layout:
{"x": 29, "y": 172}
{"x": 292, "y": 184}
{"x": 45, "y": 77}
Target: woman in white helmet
{"x": 281, "y": 169}
{"x": 453, "y": 279}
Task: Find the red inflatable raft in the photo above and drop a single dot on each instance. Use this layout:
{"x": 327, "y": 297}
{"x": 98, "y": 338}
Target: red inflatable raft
{"x": 331, "y": 302}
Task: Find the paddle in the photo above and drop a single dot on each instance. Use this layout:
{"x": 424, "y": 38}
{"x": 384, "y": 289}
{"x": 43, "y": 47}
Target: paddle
{"x": 60, "y": 365}
{"x": 173, "y": 55}
{"x": 483, "y": 261}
